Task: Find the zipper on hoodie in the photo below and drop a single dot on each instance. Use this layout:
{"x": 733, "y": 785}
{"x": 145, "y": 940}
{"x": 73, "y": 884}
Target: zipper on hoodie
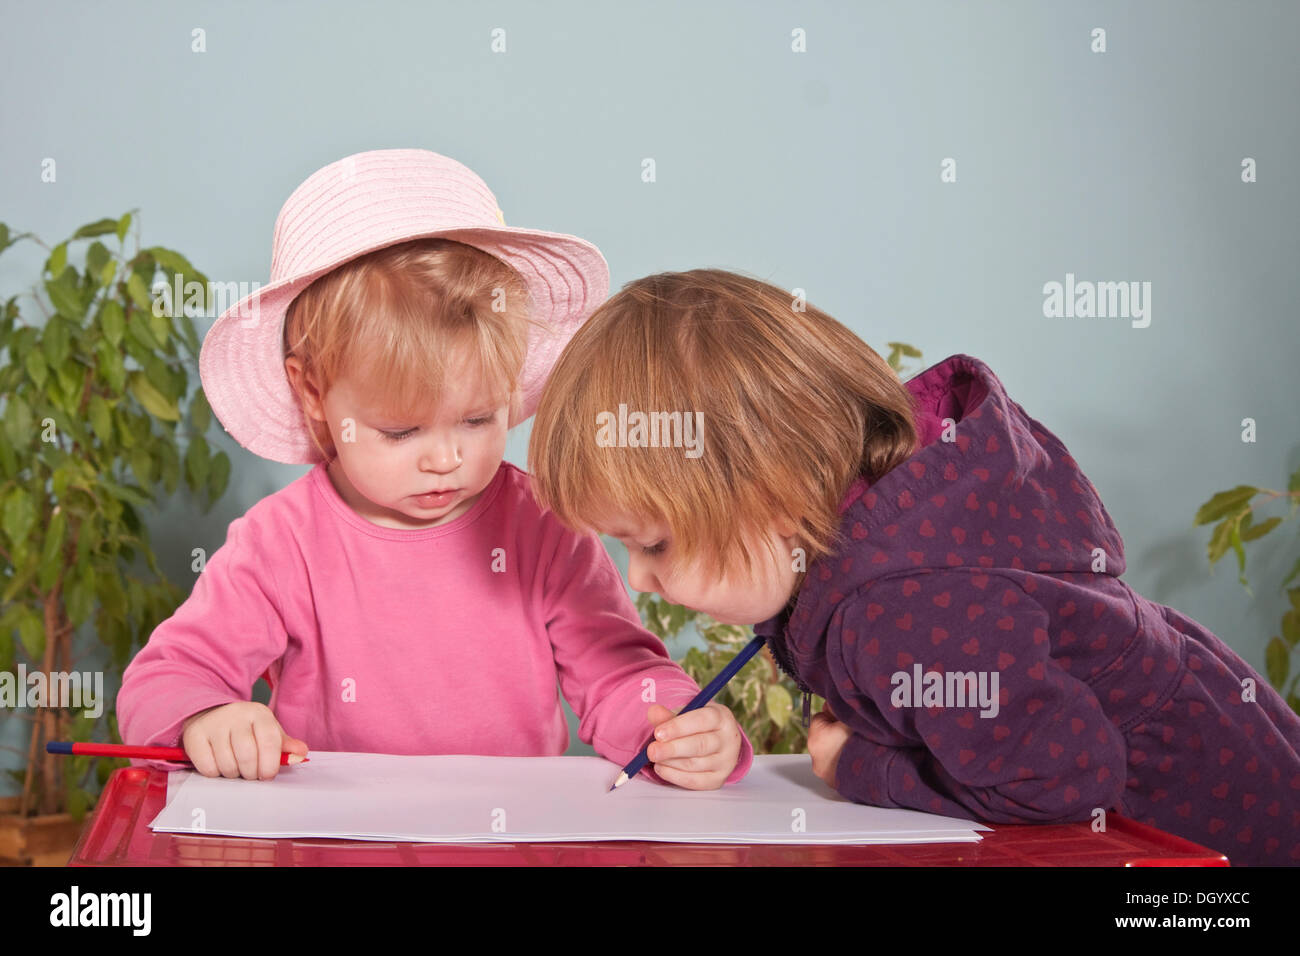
{"x": 776, "y": 644}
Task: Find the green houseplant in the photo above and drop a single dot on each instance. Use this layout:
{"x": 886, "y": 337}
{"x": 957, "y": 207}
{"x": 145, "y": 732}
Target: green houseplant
{"x": 761, "y": 697}
{"x": 1233, "y": 514}
{"x": 95, "y": 410}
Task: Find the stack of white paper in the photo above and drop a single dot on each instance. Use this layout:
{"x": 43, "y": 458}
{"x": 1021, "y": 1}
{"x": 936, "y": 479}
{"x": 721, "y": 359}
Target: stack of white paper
{"x": 469, "y": 799}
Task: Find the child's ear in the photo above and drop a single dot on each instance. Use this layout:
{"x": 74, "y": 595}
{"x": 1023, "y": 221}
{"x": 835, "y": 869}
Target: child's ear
{"x": 307, "y": 392}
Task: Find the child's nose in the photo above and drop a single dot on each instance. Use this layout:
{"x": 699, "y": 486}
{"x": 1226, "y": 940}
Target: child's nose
{"x": 639, "y": 576}
{"x": 441, "y": 456}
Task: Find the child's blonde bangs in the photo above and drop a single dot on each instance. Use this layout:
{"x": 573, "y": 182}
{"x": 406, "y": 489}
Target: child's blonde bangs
{"x": 401, "y": 320}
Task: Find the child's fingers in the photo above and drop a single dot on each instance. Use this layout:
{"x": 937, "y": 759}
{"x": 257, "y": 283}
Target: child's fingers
{"x": 691, "y": 764}
{"x": 245, "y": 747}
{"x": 688, "y": 780}
{"x": 267, "y": 735}
{"x": 696, "y": 745}
{"x": 692, "y": 722}
{"x": 224, "y": 754}
{"x": 200, "y": 754}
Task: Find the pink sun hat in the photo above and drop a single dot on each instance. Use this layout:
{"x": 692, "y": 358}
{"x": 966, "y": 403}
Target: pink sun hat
{"x": 354, "y": 206}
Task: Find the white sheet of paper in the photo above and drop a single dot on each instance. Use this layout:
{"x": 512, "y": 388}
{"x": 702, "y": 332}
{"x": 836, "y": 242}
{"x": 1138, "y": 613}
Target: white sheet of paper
{"x": 471, "y": 799}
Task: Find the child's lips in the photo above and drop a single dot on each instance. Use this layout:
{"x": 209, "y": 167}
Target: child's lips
{"x": 436, "y": 499}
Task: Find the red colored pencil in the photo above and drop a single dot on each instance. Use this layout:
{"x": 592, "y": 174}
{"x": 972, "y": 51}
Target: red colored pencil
{"x": 144, "y": 753}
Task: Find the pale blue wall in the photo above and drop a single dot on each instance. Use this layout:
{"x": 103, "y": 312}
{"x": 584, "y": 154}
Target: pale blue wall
{"x": 817, "y": 170}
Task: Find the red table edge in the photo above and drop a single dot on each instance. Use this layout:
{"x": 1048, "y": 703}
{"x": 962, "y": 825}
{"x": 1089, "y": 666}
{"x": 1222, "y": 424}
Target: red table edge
{"x": 125, "y": 782}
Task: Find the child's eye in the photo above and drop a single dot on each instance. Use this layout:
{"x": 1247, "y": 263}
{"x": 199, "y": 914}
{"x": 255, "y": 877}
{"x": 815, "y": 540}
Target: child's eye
{"x": 480, "y": 421}
{"x": 656, "y": 548}
{"x": 398, "y": 436}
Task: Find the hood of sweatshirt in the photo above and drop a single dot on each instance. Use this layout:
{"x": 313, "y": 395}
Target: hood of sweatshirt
{"x": 978, "y": 451}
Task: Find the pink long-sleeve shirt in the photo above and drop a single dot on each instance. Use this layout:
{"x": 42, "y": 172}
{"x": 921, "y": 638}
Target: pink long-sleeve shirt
{"x": 441, "y": 640}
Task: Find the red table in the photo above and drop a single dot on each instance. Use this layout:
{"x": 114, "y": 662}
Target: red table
{"x": 118, "y": 835}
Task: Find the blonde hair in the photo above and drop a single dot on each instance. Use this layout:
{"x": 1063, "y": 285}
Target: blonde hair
{"x": 794, "y": 405}
{"x": 394, "y": 319}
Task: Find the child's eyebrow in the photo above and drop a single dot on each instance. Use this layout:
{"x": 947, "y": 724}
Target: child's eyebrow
{"x": 476, "y": 411}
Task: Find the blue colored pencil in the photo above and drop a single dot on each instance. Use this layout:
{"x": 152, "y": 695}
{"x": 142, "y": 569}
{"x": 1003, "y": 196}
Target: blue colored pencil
{"x": 702, "y": 698}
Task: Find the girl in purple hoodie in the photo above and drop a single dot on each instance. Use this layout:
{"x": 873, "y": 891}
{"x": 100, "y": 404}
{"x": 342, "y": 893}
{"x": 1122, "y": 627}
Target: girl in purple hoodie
{"x": 925, "y": 556}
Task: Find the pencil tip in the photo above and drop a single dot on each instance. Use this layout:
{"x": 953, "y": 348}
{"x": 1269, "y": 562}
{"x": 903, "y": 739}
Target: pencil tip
{"x": 622, "y": 779}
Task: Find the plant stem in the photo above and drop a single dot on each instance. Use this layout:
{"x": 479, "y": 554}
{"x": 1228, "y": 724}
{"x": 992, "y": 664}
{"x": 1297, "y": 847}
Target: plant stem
{"x": 49, "y": 769}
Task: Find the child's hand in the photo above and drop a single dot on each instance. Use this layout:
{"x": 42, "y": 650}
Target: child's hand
{"x": 697, "y": 750}
{"x": 826, "y": 738}
{"x": 242, "y": 739}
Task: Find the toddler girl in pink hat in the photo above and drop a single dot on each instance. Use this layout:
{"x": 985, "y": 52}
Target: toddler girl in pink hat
{"x": 407, "y": 595}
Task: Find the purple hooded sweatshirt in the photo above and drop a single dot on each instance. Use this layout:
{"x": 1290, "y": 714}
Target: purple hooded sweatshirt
{"x": 988, "y": 554}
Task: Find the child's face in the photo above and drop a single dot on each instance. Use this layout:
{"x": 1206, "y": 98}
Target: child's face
{"x": 386, "y": 468}
{"x": 737, "y": 598}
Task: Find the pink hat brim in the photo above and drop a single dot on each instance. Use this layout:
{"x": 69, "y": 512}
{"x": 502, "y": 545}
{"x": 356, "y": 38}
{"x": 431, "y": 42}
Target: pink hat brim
{"x": 241, "y": 362}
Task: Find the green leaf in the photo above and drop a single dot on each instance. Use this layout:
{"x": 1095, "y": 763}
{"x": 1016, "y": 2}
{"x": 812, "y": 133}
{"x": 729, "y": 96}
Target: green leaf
{"x": 142, "y": 464}
{"x": 161, "y": 378}
{"x": 905, "y": 349}
{"x": 79, "y": 597}
{"x": 751, "y": 695}
{"x": 113, "y": 321}
{"x": 1234, "y": 538}
{"x": 161, "y": 327}
{"x": 18, "y": 421}
{"x": 174, "y": 261}
{"x": 19, "y": 514}
{"x": 126, "y": 493}
{"x": 169, "y": 464}
{"x": 31, "y": 631}
{"x": 779, "y": 704}
{"x": 97, "y": 256}
{"x": 4, "y": 237}
{"x": 123, "y": 225}
{"x": 58, "y": 260}
{"x": 219, "y": 477}
{"x": 52, "y": 550}
{"x": 1259, "y": 530}
{"x": 196, "y": 461}
{"x": 8, "y": 460}
{"x": 200, "y": 411}
{"x": 1277, "y": 661}
{"x": 55, "y": 341}
{"x": 141, "y": 331}
{"x": 71, "y": 379}
{"x": 1225, "y": 503}
{"x": 110, "y": 365}
{"x": 34, "y": 362}
{"x": 1291, "y": 627}
{"x": 65, "y": 297}
{"x": 139, "y": 292}
{"x": 101, "y": 419}
{"x": 152, "y": 400}
{"x": 112, "y": 598}
{"x": 100, "y": 228}
{"x": 1222, "y": 537}
{"x": 188, "y": 335}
